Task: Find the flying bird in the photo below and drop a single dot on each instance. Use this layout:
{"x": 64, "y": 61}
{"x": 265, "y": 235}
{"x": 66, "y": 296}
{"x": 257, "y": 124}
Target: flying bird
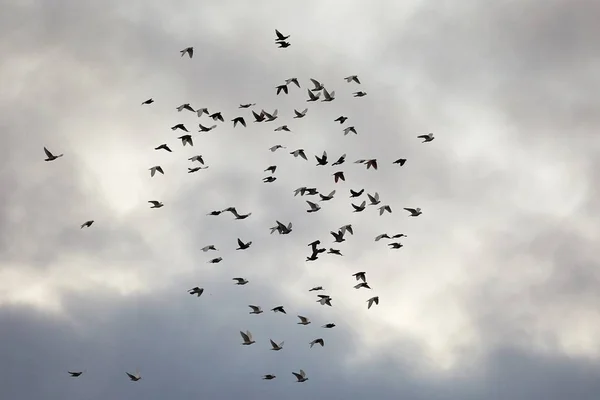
{"x": 271, "y": 169}
{"x": 188, "y": 50}
{"x": 205, "y": 128}
{"x": 50, "y": 156}
{"x": 236, "y": 214}
{"x": 215, "y": 260}
{"x": 328, "y": 96}
{"x": 248, "y": 105}
{"x": 195, "y": 169}
{"x": 209, "y": 247}
{"x": 359, "y": 208}
{"x": 156, "y": 204}
{"x": 247, "y": 337}
{"x": 340, "y": 160}
{"x": 395, "y": 245}
{"x": 196, "y": 291}
{"x": 322, "y": 160}
{"x": 335, "y": 251}
{"x": 240, "y": 281}
{"x": 202, "y": 111}
{"x": 279, "y": 309}
{"x": 292, "y": 80}
{"x": 301, "y": 376}
{"x": 299, "y": 152}
{"x": 317, "y": 341}
{"x": 385, "y": 208}
{"x": 374, "y": 199}
{"x": 255, "y": 309}
{"x": 179, "y": 126}
{"x": 352, "y": 78}
{"x": 347, "y": 228}
{"x": 350, "y": 129}
{"x": 75, "y": 374}
{"x": 362, "y": 285}
{"x": 281, "y": 88}
{"x": 258, "y": 117}
{"x": 329, "y": 326}
{"x": 270, "y": 117}
{"x": 324, "y": 300}
{"x": 268, "y": 377}
{"x": 277, "y": 147}
{"x": 318, "y": 85}
{"x": 359, "y": 94}
{"x": 280, "y": 37}
{"x": 372, "y": 300}
{"x": 185, "y": 106}
{"x": 217, "y": 117}
{"x": 156, "y": 169}
{"x": 149, "y": 101}
{"x": 134, "y": 378}
{"x": 240, "y": 120}
{"x": 313, "y": 207}
{"x": 163, "y": 147}
{"x": 356, "y": 193}
{"x": 216, "y": 212}
{"x": 186, "y": 139}
{"x": 400, "y": 161}
{"x": 197, "y": 158}
{"x": 303, "y": 320}
{"x": 87, "y": 224}
{"x": 327, "y": 197}
{"x": 275, "y": 346}
{"x": 414, "y": 212}
{"x": 243, "y": 246}
{"x": 341, "y": 119}
{"x": 282, "y": 128}
{"x": 360, "y": 276}
{"x": 300, "y": 114}
{"x": 313, "y": 97}
{"x": 426, "y": 138}
{"x": 338, "y": 236}
{"x": 316, "y": 288}
{"x": 283, "y": 45}
{"x": 339, "y": 176}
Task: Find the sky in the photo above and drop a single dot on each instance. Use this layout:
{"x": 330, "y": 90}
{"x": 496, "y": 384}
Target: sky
{"x": 494, "y": 295}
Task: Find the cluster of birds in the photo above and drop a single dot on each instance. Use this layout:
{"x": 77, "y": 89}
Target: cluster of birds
{"x": 314, "y": 94}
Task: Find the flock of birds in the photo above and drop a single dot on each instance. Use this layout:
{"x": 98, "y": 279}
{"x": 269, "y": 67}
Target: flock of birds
{"x": 314, "y": 94}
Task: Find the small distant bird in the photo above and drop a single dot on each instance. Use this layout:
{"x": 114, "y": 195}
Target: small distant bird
{"x": 215, "y": 260}
{"x": 400, "y": 161}
{"x": 277, "y": 147}
{"x": 156, "y": 204}
{"x": 278, "y": 309}
{"x": 186, "y": 139}
{"x": 382, "y": 236}
{"x": 313, "y": 207}
{"x": 299, "y": 152}
{"x": 216, "y": 212}
{"x": 195, "y": 169}
{"x": 258, "y": 117}
{"x": 347, "y": 228}
{"x": 395, "y": 245}
{"x": 335, "y": 251}
{"x": 355, "y": 193}
{"x": 359, "y": 208}
{"x": 318, "y": 85}
{"x": 206, "y": 129}
{"x": 179, "y": 126}
{"x": 317, "y": 341}
{"x": 209, "y": 247}
{"x": 247, "y": 337}
{"x": 359, "y": 94}
{"x": 271, "y": 169}
{"x": 316, "y": 288}
{"x": 301, "y": 376}
{"x": 188, "y": 50}
{"x": 283, "y": 128}
{"x": 414, "y": 212}
{"x": 240, "y": 281}
{"x": 327, "y": 197}
{"x": 362, "y": 285}
{"x": 201, "y": 111}
{"x": 255, "y": 309}
{"x": 338, "y": 236}
{"x": 163, "y": 147}
{"x": 197, "y": 158}
{"x": 87, "y": 224}
{"x": 352, "y": 78}
{"x": 339, "y": 176}
{"x": 268, "y": 377}
{"x": 385, "y": 208}
{"x": 281, "y": 88}
{"x": 360, "y": 276}
{"x": 299, "y": 114}
{"x": 75, "y": 374}
{"x": 185, "y": 106}
{"x": 156, "y": 169}
{"x": 328, "y": 96}
{"x": 426, "y": 138}
{"x": 292, "y": 80}
{"x": 280, "y": 36}
{"x": 340, "y": 160}
{"x": 283, "y": 45}
{"x": 269, "y": 179}
{"x": 313, "y": 97}
{"x": 371, "y": 163}
{"x": 350, "y": 129}
{"x": 242, "y": 245}
{"x": 50, "y": 156}
{"x": 275, "y": 346}
{"x": 149, "y": 101}
{"x": 328, "y": 326}
{"x": 240, "y": 120}
{"x": 374, "y": 199}
{"x": 248, "y": 105}
{"x": 270, "y": 117}
{"x": 372, "y": 300}
{"x": 134, "y": 378}
{"x": 341, "y": 119}
{"x": 217, "y": 117}
{"x": 196, "y": 291}
{"x": 303, "y": 320}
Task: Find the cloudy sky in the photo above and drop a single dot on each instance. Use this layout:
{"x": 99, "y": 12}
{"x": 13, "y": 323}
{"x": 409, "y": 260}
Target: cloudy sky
{"x": 494, "y": 296}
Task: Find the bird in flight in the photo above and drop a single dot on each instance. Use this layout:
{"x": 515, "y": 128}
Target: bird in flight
{"x": 50, "y": 156}
{"x": 149, "y": 101}
{"x": 372, "y": 300}
{"x": 87, "y": 224}
{"x": 75, "y": 374}
{"x": 188, "y": 50}
{"x": 426, "y": 138}
{"x": 352, "y": 78}
{"x": 247, "y": 337}
{"x": 156, "y": 204}
{"x": 134, "y": 378}
{"x": 196, "y": 291}
{"x": 414, "y": 212}
{"x": 156, "y": 169}
{"x": 300, "y": 376}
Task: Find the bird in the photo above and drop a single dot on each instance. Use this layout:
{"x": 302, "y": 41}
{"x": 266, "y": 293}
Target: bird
{"x": 134, "y": 378}
{"x": 372, "y": 300}
{"x": 268, "y": 377}
{"x": 303, "y": 320}
{"x": 283, "y": 45}
{"x": 398, "y": 235}
{"x": 362, "y": 285}
{"x": 215, "y": 260}
{"x": 350, "y": 129}
{"x": 240, "y": 120}
{"x": 247, "y": 105}
{"x": 163, "y": 147}
{"x": 426, "y": 138}
{"x": 313, "y": 207}
{"x": 156, "y": 204}
{"x": 359, "y": 94}
{"x": 215, "y": 212}
{"x": 341, "y": 119}
{"x": 87, "y": 224}
{"x": 279, "y": 309}
{"x": 292, "y": 80}
{"x": 259, "y": 117}
{"x": 360, "y": 276}
{"x": 317, "y": 341}
{"x": 179, "y": 126}
{"x": 236, "y": 214}
{"x": 322, "y": 160}
{"x": 217, "y": 117}
{"x": 329, "y": 325}
{"x": 50, "y": 156}
{"x": 339, "y": 176}
{"x": 301, "y": 376}
{"x": 371, "y": 163}
{"x": 281, "y": 88}
{"x": 185, "y": 106}
{"x": 255, "y": 309}
{"x": 385, "y": 208}
{"x": 316, "y": 288}
{"x": 335, "y": 251}
{"x": 313, "y": 97}
{"x": 359, "y": 208}
{"x": 358, "y": 193}
{"x": 240, "y": 281}
{"x": 206, "y": 129}
{"x": 324, "y": 300}
{"x": 328, "y": 96}
{"x": 338, "y": 236}
{"x": 282, "y": 128}
{"x": 155, "y": 169}
{"x": 400, "y": 161}
{"x": 340, "y": 160}
{"x": 271, "y": 169}
{"x": 301, "y": 114}
{"x": 197, "y": 158}
{"x": 75, "y": 374}
{"x": 186, "y": 139}
{"x": 270, "y": 117}
{"x": 275, "y": 346}
{"x": 382, "y": 236}
{"x": 247, "y": 337}
{"x": 209, "y": 247}
{"x": 299, "y": 152}
{"x": 414, "y": 212}
{"x": 269, "y": 179}
{"x": 374, "y": 199}
{"x": 280, "y": 36}
{"x": 328, "y": 197}
{"x": 277, "y": 147}
{"x": 188, "y": 50}
{"x": 243, "y": 246}
{"x": 201, "y": 111}
{"x": 196, "y": 291}
{"x": 352, "y": 78}
{"x": 318, "y": 85}
{"x": 149, "y": 101}
{"x": 395, "y": 245}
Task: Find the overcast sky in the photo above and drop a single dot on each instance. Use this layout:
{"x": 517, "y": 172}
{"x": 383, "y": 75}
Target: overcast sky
{"x": 494, "y": 295}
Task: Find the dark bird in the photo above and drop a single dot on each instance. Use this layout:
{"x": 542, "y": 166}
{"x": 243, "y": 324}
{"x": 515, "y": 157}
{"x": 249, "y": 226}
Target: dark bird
{"x": 328, "y": 96}
{"x": 359, "y": 208}
{"x": 247, "y": 105}
{"x": 217, "y": 116}
{"x": 270, "y": 117}
{"x": 352, "y": 78}
{"x": 338, "y": 236}
{"x": 202, "y": 111}
{"x": 316, "y": 288}
{"x": 385, "y": 208}
{"x": 196, "y": 291}
{"x": 301, "y": 376}
{"x": 360, "y": 276}
{"x": 197, "y": 158}
{"x": 271, "y": 169}
{"x": 395, "y": 245}
{"x": 335, "y": 251}
{"x": 240, "y": 281}
{"x": 206, "y": 129}
{"x": 156, "y": 204}
{"x": 258, "y": 117}
{"x": 269, "y": 179}
{"x": 329, "y": 326}
{"x": 195, "y": 169}
{"x": 179, "y": 126}
{"x": 134, "y": 378}
{"x": 280, "y": 36}
{"x": 313, "y": 97}
{"x": 188, "y": 50}
{"x": 350, "y": 129}
{"x": 215, "y": 213}
{"x": 339, "y": 176}
{"x": 300, "y": 114}
{"x": 268, "y": 377}
{"x": 185, "y": 106}
{"x": 50, "y": 156}
{"x": 322, "y": 160}
{"x": 362, "y": 285}
{"x": 278, "y": 309}
{"x": 317, "y": 341}
{"x": 400, "y": 161}
{"x": 282, "y": 128}
{"x": 149, "y": 101}
{"x": 235, "y": 213}
{"x": 374, "y": 199}
{"x": 215, "y": 260}
{"x": 347, "y": 228}
{"x": 87, "y": 224}
{"x": 186, "y": 139}
{"x": 283, "y": 45}
{"x": 282, "y": 88}
{"x": 299, "y": 152}
{"x": 155, "y": 169}
{"x": 414, "y": 212}
{"x": 356, "y": 194}
{"x": 327, "y": 197}
{"x": 341, "y": 119}
{"x": 292, "y": 80}
{"x": 372, "y": 300}
{"x": 359, "y": 94}
{"x": 75, "y": 374}
{"x": 163, "y": 147}
{"x": 313, "y": 207}
{"x": 318, "y": 85}
{"x": 240, "y": 120}
{"x": 340, "y": 160}
{"x": 426, "y": 138}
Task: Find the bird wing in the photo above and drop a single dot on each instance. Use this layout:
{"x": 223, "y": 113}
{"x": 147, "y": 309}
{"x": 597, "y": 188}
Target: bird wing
{"x": 50, "y": 155}
{"x": 245, "y": 337}
{"x": 273, "y": 344}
